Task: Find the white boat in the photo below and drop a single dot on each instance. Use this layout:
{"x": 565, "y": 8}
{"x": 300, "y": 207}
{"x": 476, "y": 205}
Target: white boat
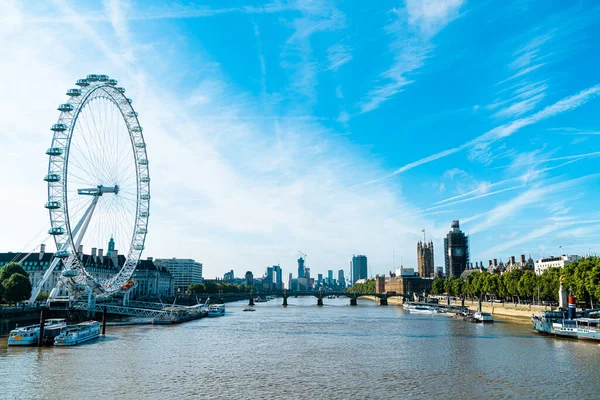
{"x": 79, "y": 333}
{"x": 417, "y": 309}
{"x": 28, "y": 335}
{"x": 557, "y": 323}
{"x": 216, "y": 310}
{"x": 483, "y": 317}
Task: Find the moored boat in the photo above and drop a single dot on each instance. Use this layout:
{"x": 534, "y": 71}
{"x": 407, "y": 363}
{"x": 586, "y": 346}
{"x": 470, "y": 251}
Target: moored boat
{"x": 420, "y": 309}
{"x": 29, "y": 335}
{"x": 216, "y": 310}
{"x": 179, "y": 314}
{"x": 483, "y": 317}
{"x": 75, "y": 334}
{"x": 558, "y": 324}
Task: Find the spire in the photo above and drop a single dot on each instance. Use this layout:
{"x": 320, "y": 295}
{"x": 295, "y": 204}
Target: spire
{"x": 111, "y": 246}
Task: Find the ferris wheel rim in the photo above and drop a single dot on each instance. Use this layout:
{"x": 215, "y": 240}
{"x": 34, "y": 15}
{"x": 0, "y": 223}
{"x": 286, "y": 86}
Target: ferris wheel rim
{"x": 94, "y": 88}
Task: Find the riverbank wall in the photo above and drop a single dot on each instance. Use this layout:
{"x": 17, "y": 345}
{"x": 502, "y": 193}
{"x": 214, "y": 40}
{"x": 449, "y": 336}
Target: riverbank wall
{"x": 522, "y": 311}
{"x": 506, "y": 309}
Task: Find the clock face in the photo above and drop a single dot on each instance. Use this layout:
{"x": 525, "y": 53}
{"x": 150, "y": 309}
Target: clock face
{"x": 457, "y": 252}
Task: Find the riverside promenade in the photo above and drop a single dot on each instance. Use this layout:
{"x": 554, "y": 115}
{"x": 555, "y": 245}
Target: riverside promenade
{"x": 522, "y": 311}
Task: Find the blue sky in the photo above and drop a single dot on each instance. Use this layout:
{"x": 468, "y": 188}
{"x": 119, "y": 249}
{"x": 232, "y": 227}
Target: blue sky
{"x": 335, "y": 128}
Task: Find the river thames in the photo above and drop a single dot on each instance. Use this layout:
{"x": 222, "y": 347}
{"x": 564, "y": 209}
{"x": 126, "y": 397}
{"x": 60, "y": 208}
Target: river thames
{"x": 330, "y": 352}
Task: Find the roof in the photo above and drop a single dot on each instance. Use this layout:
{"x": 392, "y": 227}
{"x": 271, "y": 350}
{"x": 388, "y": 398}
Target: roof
{"x": 104, "y": 263}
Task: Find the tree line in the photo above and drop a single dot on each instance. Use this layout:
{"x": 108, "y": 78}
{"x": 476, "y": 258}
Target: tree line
{"x": 363, "y": 288}
{"x": 211, "y": 287}
{"x": 581, "y": 278}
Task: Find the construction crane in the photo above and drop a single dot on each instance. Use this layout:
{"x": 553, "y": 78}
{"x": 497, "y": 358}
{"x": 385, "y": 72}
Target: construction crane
{"x": 303, "y": 255}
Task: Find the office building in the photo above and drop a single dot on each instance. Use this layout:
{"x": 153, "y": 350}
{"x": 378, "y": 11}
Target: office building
{"x": 278, "y": 277}
{"x": 301, "y": 268}
{"x": 359, "y": 268}
{"x": 341, "y": 279}
{"x": 185, "y": 271}
{"x": 249, "y": 279}
{"x": 456, "y": 250}
{"x": 228, "y": 276}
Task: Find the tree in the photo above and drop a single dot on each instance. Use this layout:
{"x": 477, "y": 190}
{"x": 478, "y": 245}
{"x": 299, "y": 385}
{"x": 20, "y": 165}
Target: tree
{"x": 16, "y": 288}
{"x": 6, "y": 272}
{"x": 457, "y": 286}
{"x": 592, "y": 281}
{"x": 511, "y": 283}
{"x": 549, "y": 283}
{"x": 491, "y": 284}
{"x": 527, "y": 285}
{"x": 197, "y": 288}
{"x": 11, "y": 268}
{"x": 448, "y": 286}
{"x": 211, "y": 287}
{"x": 437, "y": 287}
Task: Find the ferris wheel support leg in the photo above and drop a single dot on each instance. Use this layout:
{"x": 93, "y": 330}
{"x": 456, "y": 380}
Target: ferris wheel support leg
{"x": 91, "y": 303}
{"x": 83, "y": 222}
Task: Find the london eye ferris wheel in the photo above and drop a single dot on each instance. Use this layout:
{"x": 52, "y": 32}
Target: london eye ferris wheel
{"x": 98, "y": 183}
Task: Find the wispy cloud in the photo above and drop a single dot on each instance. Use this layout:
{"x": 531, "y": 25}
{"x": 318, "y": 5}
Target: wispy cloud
{"x": 410, "y": 45}
{"x": 338, "y": 55}
{"x": 531, "y": 197}
{"x": 297, "y": 54}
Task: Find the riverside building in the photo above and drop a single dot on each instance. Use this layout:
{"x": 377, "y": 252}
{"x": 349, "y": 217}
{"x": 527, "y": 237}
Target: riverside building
{"x": 185, "y": 271}
{"x": 150, "y": 279}
{"x": 553, "y": 261}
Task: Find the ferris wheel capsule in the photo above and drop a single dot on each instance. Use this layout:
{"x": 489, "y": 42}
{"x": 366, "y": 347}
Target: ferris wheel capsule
{"x": 66, "y": 107}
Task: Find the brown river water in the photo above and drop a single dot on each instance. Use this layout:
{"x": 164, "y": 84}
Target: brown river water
{"x": 305, "y": 351}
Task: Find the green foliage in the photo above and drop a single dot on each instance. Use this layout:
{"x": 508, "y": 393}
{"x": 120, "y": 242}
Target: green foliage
{"x": 197, "y": 288}
{"x": 16, "y": 288}
{"x": 13, "y": 288}
{"x": 363, "y": 288}
{"x": 42, "y": 296}
{"x": 11, "y": 268}
{"x": 211, "y": 287}
{"x": 581, "y": 278}
{"x": 437, "y": 287}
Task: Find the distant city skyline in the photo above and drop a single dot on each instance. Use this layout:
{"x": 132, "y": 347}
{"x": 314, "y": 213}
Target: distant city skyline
{"x": 262, "y": 141}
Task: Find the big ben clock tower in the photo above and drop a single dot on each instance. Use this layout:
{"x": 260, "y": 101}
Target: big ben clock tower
{"x": 456, "y": 250}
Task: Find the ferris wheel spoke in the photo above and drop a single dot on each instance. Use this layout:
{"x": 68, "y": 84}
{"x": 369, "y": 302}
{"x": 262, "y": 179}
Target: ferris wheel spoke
{"x": 95, "y": 152}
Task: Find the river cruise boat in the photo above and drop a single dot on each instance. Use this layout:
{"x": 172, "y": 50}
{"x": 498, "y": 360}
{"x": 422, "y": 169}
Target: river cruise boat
{"x": 179, "y": 314}
{"x": 216, "y": 310}
{"x": 75, "y": 334}
{"x": 28, "y": 335}
{"x": 421, "y": 309}
{"x": 260, "y": 300}
{"x": 555, "y": 323}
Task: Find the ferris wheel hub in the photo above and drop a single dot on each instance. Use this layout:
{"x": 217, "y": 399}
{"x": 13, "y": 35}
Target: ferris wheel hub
{"x": 99, "y": 191}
